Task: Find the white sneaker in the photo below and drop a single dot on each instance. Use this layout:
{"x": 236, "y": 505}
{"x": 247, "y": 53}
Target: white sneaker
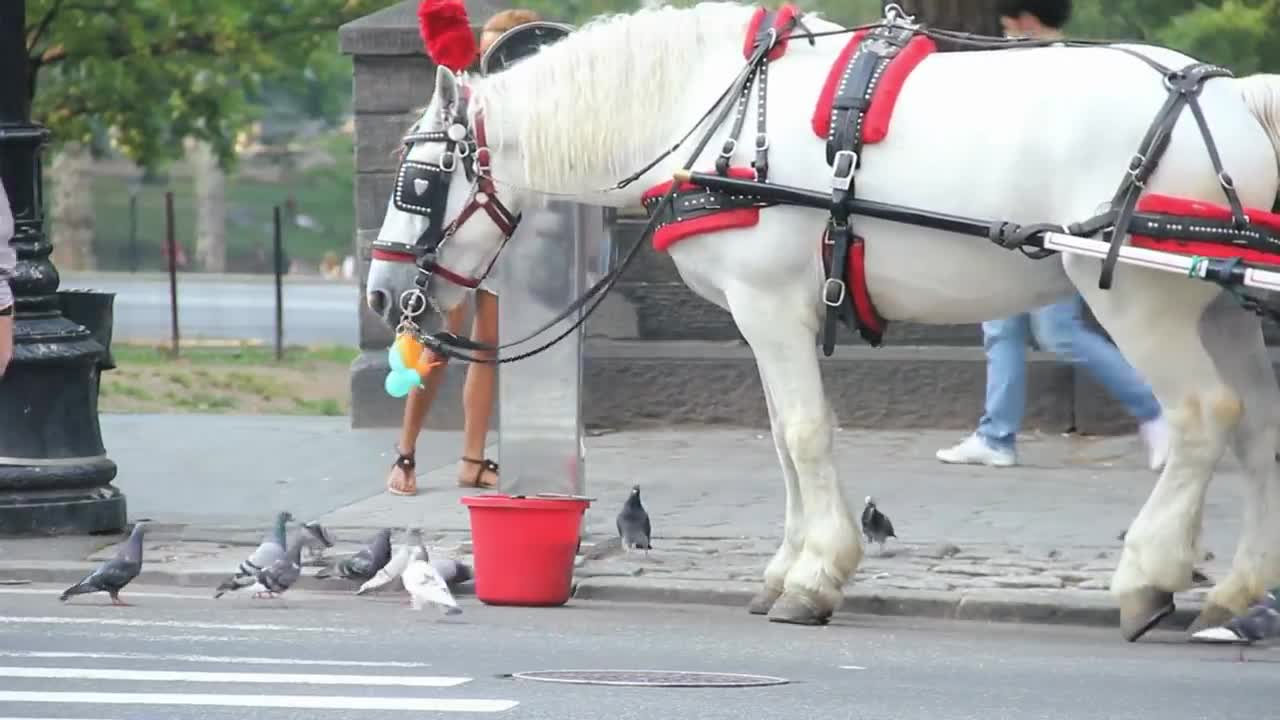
{"x": 976, "y": 451}
{"x": 1155, "y": 435}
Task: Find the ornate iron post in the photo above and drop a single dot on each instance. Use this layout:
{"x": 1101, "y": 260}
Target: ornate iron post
{"x": 55, "y": 476}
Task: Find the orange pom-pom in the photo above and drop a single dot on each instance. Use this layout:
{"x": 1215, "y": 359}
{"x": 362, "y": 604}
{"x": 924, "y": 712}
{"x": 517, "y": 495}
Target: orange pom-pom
{"x": 409, "y": 348}
{"x": 426, "y": 363}
{"x": 446, "y": 32}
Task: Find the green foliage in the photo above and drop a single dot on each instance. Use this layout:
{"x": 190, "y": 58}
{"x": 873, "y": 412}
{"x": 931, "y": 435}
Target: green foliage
{"x": 1233, "y": 33}
{"x": 144, "y": 74}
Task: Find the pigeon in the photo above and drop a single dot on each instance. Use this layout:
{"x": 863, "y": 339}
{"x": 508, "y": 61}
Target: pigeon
{"x": 366, "y": 562}
{"x": 425, "y": 586}
{"x": 876, "y": 526}
{"x": 454, "y": 572}
{"x": 396, "y": 565}
{"x": 113, "y": 575}
{"x": 316, "y": 539}
{"x": 1259, "y": 622}
{"x": 633, "y": 523}
{"x": 283, "y": 573}
{"x": 268, "y": 551}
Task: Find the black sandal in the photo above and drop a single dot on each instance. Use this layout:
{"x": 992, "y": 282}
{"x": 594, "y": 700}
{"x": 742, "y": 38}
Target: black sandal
{"x": 406, "y": 463}
{"x": 485, "y": 464}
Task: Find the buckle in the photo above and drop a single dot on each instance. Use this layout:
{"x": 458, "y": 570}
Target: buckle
{"x": 830, "y": 283}
{"x": 762, "y": 142}
{"x": 841, "y": 181}
{"x": 730, "y": 145}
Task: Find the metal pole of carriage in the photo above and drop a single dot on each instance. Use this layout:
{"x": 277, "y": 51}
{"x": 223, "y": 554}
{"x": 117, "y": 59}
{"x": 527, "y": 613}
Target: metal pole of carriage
{"x": 55, "y": 476}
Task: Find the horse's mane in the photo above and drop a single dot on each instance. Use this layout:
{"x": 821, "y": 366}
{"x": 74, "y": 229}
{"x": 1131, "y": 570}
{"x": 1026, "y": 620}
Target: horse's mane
{"x": 573, "y": 133}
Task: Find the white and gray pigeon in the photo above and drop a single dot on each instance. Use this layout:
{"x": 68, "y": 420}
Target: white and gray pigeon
{"x": 399, "y": 561}
{"x": 1260, "y": 622}
{"x": 425, "y": 586}
{"x": 365, "y": 563}
{"x": 271, "y": 549}
{"x": 876, "y": 526}
{"x": 316, "y": 538}
{"x": 113, "y": 575}
{"x": 633, "y": 523}
{"x": 280, "y": 575}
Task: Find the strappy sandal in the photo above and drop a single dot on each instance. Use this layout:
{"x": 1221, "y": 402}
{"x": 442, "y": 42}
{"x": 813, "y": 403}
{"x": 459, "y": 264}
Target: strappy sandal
{"x": 476, "y": 482}
{"x": 406, "y": 463}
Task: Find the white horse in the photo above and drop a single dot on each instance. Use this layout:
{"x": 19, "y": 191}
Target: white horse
{"x": 1029, "y": 135}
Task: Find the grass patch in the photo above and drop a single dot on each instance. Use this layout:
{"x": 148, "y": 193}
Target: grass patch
{"x": 250, "y": 355}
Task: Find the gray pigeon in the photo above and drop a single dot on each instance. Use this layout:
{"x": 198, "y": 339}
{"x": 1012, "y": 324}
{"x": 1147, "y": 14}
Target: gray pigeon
{"x": 114, "y": 574}
{"x": 283, "y": 573}
{"x": 876, "y": 526}
{"x": 268, "y": 551}
{"x": 453, "y": 572}
{"x": 366, "y": 562}
{"x": 633, "y": 523}
{"x": 316, "y": 539}
{"x": 1259, "y": 622}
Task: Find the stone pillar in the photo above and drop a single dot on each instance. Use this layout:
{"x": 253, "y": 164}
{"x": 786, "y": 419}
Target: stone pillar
{"x": 55, "y": 476}
{"x": 393, "y": 81}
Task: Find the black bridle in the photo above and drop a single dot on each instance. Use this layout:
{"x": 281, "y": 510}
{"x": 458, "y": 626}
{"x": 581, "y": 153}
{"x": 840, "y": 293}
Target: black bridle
{"x": 422, "y": 189}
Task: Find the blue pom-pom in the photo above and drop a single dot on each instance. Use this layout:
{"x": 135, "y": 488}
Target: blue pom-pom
{"x": 394, "y": 359}
{"x": 400, "y": 382}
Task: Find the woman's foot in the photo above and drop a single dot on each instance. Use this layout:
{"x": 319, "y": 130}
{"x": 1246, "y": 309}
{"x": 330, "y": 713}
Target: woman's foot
{"x": 403, "y": 480}
{"x": 478, "y": 473}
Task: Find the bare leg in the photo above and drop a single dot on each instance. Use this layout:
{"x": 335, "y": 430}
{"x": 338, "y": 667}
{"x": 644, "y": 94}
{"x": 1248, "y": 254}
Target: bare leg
{"x": 477, "y": 398}
{"x": 6, "y": 340}
{"x": 403, "y": 479}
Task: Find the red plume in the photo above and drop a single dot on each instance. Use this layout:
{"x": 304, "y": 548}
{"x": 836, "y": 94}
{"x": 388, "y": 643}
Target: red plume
{"x": 446, "y": 31}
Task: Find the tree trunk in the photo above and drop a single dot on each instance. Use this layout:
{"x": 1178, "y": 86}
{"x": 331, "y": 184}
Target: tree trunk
{"x": 211, "y": 207}
{"x": 969, "y": 16}
{"x": 71, "y": 212}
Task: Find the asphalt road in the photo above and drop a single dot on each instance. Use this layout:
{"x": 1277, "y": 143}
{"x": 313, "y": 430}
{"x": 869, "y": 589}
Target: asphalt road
{"x": 323, "y": 655}
{"x": 237, "y": 307}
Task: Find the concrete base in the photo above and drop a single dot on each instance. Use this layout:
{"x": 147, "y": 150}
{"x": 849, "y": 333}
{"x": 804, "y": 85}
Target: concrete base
{"x": 648, "y": 383}
{"x": 63, "y": 512}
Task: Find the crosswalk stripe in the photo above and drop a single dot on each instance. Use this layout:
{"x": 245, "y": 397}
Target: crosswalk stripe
{"x": 315, "y": 702}
{"x": 78, "y": 673}
{"x": 56, "y": 620}
{"x": 217, "y": 659}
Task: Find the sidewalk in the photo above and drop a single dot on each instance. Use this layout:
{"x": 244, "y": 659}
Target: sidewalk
{"x": 1033, "y": 543}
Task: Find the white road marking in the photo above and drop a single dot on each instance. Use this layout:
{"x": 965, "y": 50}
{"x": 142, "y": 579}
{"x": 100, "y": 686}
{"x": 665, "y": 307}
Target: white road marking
{"x": 37, "y": 620}
{"x": 314, "y": 702}
{"x": 25, "y": 718}
{"x": 852, "y": 667}
{"x": 220, "y": 659}
{"x": 72, "y": 673}
{"x": 56, "y": 590}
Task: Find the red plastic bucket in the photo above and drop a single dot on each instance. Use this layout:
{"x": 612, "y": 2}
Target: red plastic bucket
{"x": 523, "y": 548}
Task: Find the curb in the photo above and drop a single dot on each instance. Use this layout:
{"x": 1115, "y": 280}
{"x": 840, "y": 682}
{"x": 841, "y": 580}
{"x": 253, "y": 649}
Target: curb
{"x": 1052, "y": 607}
{"x": 1043, "y": 607}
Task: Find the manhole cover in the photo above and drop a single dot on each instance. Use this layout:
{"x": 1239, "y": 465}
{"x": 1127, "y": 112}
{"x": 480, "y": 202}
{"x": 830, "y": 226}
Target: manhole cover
{"x": 650, "y": 678}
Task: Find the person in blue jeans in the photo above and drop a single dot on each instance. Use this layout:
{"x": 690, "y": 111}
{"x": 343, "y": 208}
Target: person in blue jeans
{"x": 1059, "y": 328}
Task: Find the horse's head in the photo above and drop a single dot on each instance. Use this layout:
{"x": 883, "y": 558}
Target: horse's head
{"x": 444, "y": 225}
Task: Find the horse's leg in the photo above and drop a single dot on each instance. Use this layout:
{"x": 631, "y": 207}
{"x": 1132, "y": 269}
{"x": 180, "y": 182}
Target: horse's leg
{"x": 775, "y": 572}
{"x": 1154, "y": 319}
{"x": 1234, "y": 338}
{"x": 780, "y": 326}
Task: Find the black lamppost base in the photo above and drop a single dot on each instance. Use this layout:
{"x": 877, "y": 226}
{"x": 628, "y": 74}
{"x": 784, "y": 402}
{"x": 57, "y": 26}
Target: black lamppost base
{"x": 63, "y": 512}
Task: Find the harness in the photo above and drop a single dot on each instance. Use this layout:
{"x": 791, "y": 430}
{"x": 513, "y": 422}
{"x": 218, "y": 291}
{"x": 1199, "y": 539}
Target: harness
{"x": 422, "y": 188}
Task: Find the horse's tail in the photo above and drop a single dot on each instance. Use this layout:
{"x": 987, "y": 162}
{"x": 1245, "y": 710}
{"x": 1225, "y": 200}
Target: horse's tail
{"x": 1261, "y": 92}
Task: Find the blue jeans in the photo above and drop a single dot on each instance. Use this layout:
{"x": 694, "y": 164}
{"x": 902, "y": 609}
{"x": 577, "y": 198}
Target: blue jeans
{"x": 1058, "y": 328}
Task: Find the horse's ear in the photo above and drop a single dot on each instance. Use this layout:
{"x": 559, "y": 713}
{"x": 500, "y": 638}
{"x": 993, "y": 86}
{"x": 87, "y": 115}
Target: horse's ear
{"x": 446, "y": 87}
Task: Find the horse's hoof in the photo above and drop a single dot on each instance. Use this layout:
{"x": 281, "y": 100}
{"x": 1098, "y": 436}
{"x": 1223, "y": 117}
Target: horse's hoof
{"x": 1213, "y": 615}
{"x": 1142, "y": 610}
{"x": 793, "y": 609}
{"x": 763, "y": 602}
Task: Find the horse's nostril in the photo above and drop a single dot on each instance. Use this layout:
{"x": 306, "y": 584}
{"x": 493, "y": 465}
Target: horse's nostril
{"x": 377, "y": 300}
